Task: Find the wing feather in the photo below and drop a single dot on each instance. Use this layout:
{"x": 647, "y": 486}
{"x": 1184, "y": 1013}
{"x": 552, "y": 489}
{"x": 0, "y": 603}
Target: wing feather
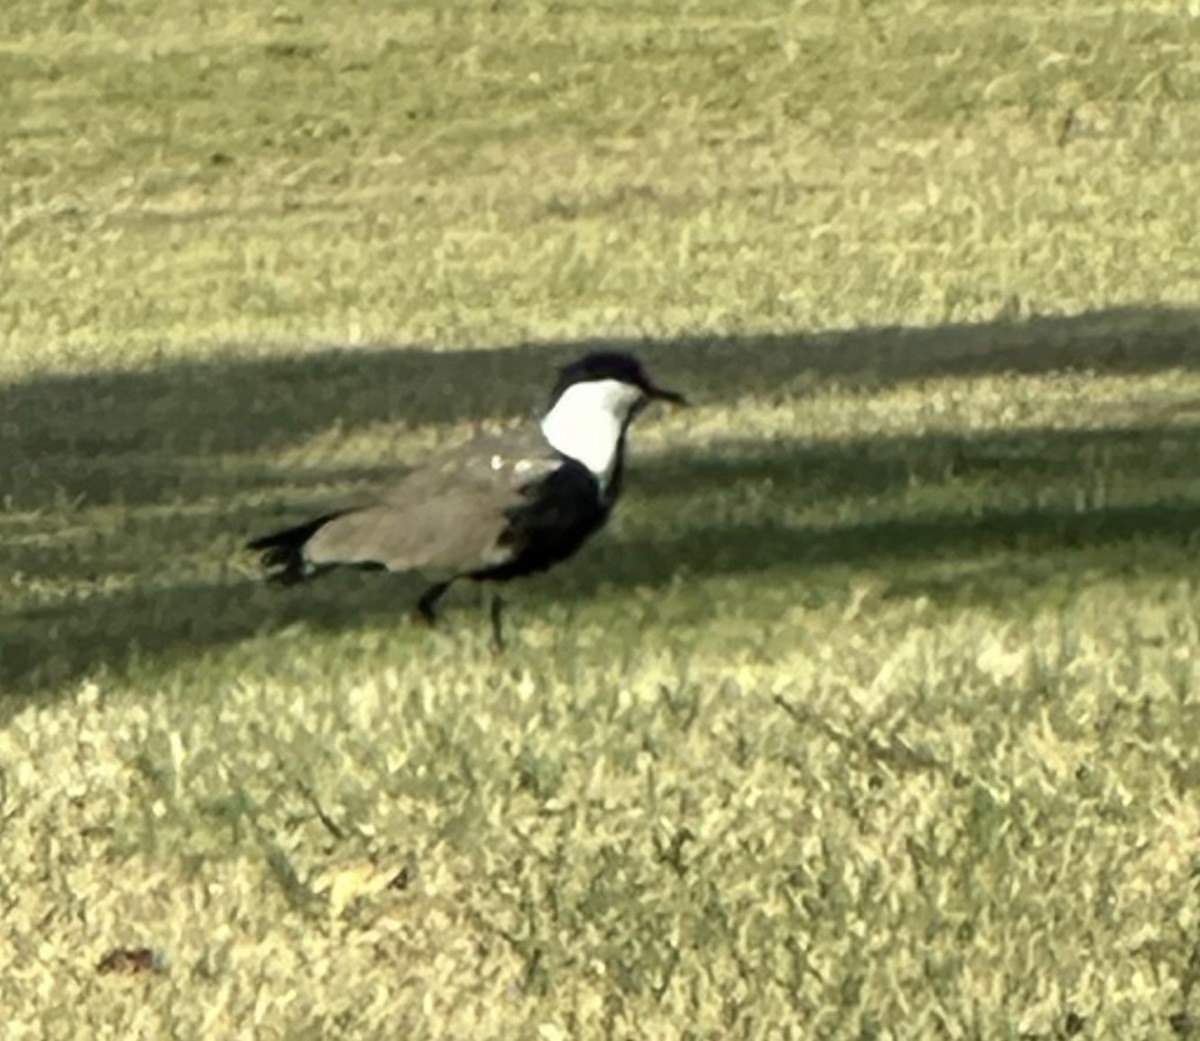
{"x": 449, "y": 515}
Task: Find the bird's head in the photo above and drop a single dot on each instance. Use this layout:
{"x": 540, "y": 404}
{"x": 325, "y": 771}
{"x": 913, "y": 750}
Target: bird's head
{"x": 611, "y": 380}
{"x": 594, "y": 401}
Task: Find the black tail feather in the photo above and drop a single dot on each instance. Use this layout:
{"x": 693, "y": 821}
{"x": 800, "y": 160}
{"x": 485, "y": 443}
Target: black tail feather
{"x": 283, "y": 551}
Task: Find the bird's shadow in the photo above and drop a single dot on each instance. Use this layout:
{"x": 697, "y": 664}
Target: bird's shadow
{"x": 166, "y": 458}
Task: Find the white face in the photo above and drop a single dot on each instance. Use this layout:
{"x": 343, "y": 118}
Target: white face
{"x": 586, "y": 423}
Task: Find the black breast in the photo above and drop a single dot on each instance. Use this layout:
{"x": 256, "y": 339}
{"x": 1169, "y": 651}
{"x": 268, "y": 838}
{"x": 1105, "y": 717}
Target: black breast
{"x": 552, "y": 517}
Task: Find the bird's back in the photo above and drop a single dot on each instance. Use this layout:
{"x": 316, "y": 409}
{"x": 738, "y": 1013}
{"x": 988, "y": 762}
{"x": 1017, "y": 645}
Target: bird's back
{"x": 480, "y": 509}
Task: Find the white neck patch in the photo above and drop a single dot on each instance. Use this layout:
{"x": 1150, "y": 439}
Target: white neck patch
{"x": 586, "y": 421}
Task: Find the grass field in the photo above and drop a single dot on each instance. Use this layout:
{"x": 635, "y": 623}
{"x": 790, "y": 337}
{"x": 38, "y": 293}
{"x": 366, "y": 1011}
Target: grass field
{"x": 875, "y": 712}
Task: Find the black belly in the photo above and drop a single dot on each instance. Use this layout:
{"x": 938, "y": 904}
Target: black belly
{"x": 548, "y": 523}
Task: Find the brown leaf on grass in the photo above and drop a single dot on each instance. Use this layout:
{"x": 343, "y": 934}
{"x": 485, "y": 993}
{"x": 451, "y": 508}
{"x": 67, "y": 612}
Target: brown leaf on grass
{"x": 130, "y": 961}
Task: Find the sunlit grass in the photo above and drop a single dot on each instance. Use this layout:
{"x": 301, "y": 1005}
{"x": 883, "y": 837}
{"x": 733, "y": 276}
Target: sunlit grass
{"x": 872, "y": 714}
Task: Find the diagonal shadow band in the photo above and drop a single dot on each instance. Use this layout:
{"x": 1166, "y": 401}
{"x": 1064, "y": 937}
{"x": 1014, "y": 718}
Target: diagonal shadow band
{"x": 50, "y": 646}
{"x": 818, "y": 515}
{"x": 113, "y": 436}
{"x": 813, "y": 483}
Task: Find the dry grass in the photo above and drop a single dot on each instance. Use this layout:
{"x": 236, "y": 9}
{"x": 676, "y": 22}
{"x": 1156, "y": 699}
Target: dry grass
{"x": 875, "y": 713}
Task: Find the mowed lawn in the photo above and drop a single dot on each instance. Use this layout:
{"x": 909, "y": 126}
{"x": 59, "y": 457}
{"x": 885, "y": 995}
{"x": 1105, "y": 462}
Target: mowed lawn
{"x": 874, "y": 713}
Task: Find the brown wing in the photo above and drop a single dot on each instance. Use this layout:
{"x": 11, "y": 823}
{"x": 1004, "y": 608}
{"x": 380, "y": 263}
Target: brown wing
{"x": 448, "y": 515}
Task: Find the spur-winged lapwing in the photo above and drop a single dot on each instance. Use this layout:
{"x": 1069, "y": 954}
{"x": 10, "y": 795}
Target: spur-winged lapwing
{"x": 497, "y": 508}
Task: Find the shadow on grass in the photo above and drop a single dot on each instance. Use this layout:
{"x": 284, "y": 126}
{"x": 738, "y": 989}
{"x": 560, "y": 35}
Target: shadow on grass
{"x": 124, "y": 436}
{"x": 1054, "y": 542}
{"x": 1035, "y": 501}
{"x": 1026, "y": 462}
{"x": 1015, "y": 551}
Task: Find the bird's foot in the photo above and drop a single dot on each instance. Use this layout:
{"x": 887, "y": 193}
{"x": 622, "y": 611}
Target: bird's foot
{"x": 497, "y": 629}
{"x": 425, "y": 613}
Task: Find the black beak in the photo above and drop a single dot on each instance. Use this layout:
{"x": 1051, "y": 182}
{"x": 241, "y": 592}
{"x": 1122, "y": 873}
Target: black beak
{"x": 659, "y": 394}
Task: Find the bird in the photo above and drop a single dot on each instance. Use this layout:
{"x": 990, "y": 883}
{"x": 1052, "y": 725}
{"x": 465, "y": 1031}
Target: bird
{"x": 500, "y": 507}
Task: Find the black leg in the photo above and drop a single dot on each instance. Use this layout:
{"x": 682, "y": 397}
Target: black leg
{"x": 497, "y": 633}
{"x": 427, "y": 605}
